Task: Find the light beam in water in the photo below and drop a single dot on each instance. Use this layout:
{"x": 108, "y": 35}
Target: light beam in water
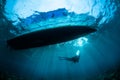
{"x": 81, "y": 41}
{"x": 78, "y": 52}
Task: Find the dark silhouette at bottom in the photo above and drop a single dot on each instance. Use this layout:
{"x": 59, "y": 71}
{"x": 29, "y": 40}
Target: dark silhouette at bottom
{"x": 74, "y": 59}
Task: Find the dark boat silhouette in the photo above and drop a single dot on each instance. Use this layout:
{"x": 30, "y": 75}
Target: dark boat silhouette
{"x": 49, "y": 36}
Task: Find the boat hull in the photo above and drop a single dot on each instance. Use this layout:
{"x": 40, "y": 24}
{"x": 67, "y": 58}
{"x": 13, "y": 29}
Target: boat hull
{"x": 49, "y": 36}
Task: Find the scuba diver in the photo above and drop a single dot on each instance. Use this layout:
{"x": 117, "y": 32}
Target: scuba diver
{"x": 73, "y": 59}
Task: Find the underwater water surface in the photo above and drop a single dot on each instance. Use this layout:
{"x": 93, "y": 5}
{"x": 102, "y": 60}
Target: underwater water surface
{"x": 99, "y": 53}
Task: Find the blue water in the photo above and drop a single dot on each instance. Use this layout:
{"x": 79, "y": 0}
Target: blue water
{"x": 99, "y": 54}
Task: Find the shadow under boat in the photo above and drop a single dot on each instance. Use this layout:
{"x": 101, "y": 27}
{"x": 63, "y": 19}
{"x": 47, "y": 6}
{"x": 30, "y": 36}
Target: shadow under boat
{"x": 49, "y": 36}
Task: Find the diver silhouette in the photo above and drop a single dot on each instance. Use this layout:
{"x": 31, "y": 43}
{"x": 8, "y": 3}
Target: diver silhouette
{"x": 73, "y": 59}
